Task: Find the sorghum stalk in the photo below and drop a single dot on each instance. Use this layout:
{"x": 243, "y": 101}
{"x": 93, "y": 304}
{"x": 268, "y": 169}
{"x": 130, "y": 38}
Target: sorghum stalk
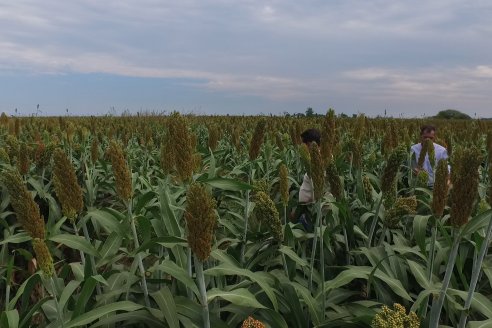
{"x": 284, "y": 189}
{"x": 203, "y": 292}
{"x": 437, "y": 305}
{"x": 246, "y": 216}
{"x": 57, "y": 304}
{"x": 123, "y": 183}
{"x": 374, "y": 222}
{"x": 439, "y": 198}
{"x": 200, "y": 222}
{"x": 465, "y": 179}
{"x": 138, "y": 257}
{"x": 477, "y": 266}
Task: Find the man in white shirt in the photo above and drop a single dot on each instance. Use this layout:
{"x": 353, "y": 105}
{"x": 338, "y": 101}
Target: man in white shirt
{"x": 427, "y": 132}
{"x": 306, "y": 191}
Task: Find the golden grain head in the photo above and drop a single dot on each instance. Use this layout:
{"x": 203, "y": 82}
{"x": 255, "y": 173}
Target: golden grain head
{"x": 121, "y": 172}
{"x": 200, "y": 220}
{"x": 440, "y": 191}
{"x": 257, "y": 140}
{"x": 67, "y": 188}
{"x": 26, "y": 210}
{"x": 367, "y": 188}
{"x": 43, "y": 257}
{"x": 317, "y": 171}
{"x": 465, "y": 179}
{"x": 284, "y": 184}
{"x": 252, "y": 323}
{"x": 266, "y": 213}
{"x": 395, "y": 318}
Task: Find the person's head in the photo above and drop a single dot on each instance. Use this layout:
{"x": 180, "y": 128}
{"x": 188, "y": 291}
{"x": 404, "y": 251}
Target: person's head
{"x": 311, "y": 135}
{"x": 427, "y": 132}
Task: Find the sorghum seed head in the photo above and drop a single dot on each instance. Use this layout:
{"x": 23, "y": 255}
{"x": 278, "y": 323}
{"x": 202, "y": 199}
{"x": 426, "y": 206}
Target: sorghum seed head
{"x": 200, "y": 220}
{"x": 43, "y": 256}
{"x": 257, "y": 140}
{"x": 440, "y": 191}
{"x": 305, "y": 158}
{"x": 284, "y": 184}
{"x": 465, "y": 179}
{"x": 388, "y": 179}
{"x": 67, "y": 188}
{"x": 266, "y": 212}
{"x": 317, "y": 171}
{"x": 403, "y": 206}
{"x": 94, "y": 150}
{"x": 367, "y": 188}
{"x": 396, "y": 318}
{"x": 23, "y": 163}
{"x": 122, "y": 175}
{"x": 26, "y": 210}
{"x": 252, "y": 323}
{"x": 334, "y": 180}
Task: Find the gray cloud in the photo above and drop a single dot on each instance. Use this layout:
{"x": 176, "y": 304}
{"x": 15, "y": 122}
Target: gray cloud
{"x": 350, "y": 54}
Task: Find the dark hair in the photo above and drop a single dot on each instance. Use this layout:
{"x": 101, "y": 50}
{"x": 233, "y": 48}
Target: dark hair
{"x": 311, "y": 135}
{"x": 427, "y": 129}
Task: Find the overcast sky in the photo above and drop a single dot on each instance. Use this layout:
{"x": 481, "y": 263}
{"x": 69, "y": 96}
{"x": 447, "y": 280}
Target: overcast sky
{"x": 410, "y": 58}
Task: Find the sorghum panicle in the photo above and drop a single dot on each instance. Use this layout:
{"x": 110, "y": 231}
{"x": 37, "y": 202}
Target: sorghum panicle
{"x": 94, "y": 150}
{"x": 367, "y": 188}
{"x": 388, "y": 179}
{"x": 440, "y": 191}
{"x": 12, "y": 147}
{"x": 252, "y": 323}
{"x": 278, "y": 141}
{"x": 334, "y": 180}
{"x": 183, "y": 145}
{"x": 167, "y": 157}
{"x": 122, "y": 175}
{"x": 26, "y": 210}
{"x": 266, "y": 212}
{"x": 427, "y": 148}
{"x": 465, "y": 179}
{"x": 396, "y": 318}
{"x": 43, "y": 256}
{"x": 403, "y": 206}
{"x": 4, "y": 119}
{"x": 200, "y": 220}
{"x": 67, "y": 188}
{"x": 305, "y": 158}
{"x": 257, "y": 140}
{"x": 422, "y": 178}
{"x": 213, "y": 137}
{"x": 284, "y": 184}
{"x": 23, "y": 163}
{"x": 261, "y": 185}
{"x": 4, "y": 156}
{"x": 329, "y": 138}
{"x": 317, "y": 171}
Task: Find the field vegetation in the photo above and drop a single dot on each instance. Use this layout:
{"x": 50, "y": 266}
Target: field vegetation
{"x": 185, "y": 221}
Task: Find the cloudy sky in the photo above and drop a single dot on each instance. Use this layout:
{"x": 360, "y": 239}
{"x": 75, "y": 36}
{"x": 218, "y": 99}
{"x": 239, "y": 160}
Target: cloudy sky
{"x": 410, "y": 58}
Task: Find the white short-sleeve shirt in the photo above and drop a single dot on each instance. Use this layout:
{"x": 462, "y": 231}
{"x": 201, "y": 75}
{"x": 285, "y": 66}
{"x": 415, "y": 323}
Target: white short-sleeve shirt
{"x": 440, "y": 153}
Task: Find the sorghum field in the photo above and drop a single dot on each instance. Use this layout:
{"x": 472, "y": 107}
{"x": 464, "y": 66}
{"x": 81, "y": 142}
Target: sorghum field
{"x": 186, "y": 221}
